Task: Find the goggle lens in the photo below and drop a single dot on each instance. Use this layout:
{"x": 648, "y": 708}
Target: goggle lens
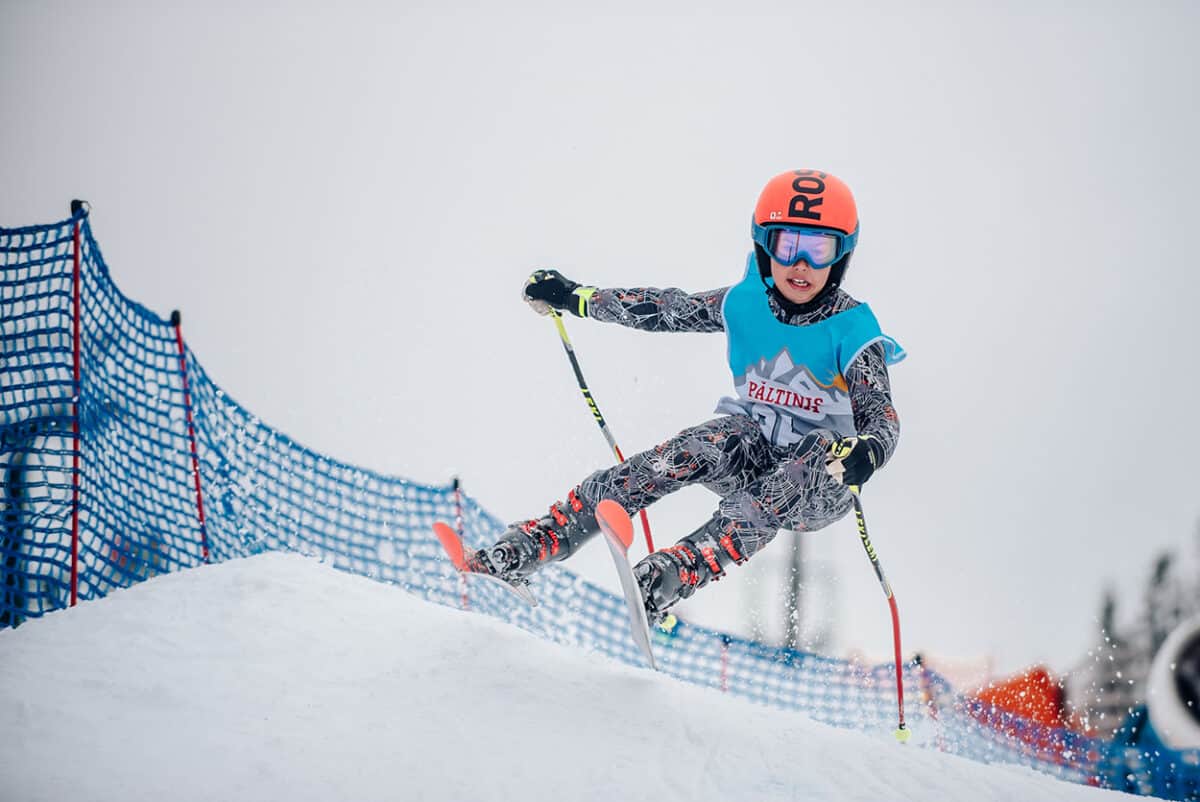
{"x": 788, "y": 246}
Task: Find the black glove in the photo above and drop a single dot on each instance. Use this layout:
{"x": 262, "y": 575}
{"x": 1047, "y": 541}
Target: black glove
{"x": 549, "y": 288}
{"x": 852, "y": 460}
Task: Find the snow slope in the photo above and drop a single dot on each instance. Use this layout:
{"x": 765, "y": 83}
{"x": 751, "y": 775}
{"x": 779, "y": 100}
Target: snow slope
{"x": 277, "y": 677}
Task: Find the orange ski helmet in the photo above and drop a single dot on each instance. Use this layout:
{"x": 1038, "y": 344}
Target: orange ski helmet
{"x": 807, "y": 198}
{"x": 811, "y": 199}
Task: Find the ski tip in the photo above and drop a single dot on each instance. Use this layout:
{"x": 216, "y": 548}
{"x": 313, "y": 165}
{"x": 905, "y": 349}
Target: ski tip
{"x": 612, "y": 515}
{"x": 452, "y": 543}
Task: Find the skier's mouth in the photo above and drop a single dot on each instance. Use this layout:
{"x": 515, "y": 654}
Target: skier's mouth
{"x": 799, "y": 284}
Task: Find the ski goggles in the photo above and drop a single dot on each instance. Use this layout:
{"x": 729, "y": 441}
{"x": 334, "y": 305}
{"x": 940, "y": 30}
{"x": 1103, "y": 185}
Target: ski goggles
{"x": 787, "y": 245}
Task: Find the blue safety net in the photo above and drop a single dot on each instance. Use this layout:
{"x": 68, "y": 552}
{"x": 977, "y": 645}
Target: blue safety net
{"x": 104, "y": 484}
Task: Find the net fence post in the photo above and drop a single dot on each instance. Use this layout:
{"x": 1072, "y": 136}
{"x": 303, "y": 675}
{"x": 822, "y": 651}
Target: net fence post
{"x": 459, "y": 525}
{"x": 78, "y": 212}
{"x": 724, "y": 663}
{"x": 177, "y": 323}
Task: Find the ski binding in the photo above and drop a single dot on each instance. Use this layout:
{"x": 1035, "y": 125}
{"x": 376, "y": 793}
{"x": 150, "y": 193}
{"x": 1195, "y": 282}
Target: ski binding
{"x": 467, "y": 565}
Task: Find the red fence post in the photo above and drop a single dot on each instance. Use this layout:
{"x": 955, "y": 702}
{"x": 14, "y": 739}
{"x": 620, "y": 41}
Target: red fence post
{"x": 75, "y": 304}
{"x": 176, "y": 321}
{"x": 458, "y": 525}
{"x": 929, "y": 696}
{"x": 724, "y": 663}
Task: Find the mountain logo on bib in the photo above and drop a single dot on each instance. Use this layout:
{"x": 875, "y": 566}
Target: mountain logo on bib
{"x": 780, "y": 382}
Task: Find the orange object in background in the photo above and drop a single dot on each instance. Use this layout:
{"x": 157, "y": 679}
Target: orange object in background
{"x": 1033, "y": 695}
{"x": 1010, "y": 706}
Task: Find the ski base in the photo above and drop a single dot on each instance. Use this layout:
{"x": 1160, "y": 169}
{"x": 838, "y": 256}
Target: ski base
{"x": 453, "y": 546}
{"x": 618, "y": 534}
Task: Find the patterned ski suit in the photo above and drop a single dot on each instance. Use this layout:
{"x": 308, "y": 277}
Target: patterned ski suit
{"x": 765, "y": 457}
{"x": 764, "y": 487}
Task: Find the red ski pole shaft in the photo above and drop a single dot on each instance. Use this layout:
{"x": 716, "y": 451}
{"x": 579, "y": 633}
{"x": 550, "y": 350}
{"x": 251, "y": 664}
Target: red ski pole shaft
{"x": 901, "y": 731}
{"x": 591, "y": 402}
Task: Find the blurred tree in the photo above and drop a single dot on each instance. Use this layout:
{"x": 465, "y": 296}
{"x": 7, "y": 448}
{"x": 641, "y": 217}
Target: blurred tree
{"x": 1164, "y": 603}
{"x": 1108, "y": 613}
{"x": 1102, "y": 689}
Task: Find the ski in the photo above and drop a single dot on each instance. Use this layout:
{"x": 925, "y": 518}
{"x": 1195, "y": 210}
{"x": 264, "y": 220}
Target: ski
{"x": 468, "y": 566}
{"x": 618, "y": 534}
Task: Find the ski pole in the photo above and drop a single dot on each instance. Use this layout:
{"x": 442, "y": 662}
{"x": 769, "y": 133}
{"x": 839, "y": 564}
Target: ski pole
{"x": 902, "y": 732}
{"x": 591, "y": 402}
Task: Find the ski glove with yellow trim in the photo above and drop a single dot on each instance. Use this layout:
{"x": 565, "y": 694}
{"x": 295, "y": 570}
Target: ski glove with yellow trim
{"x": 549, "y": 288}
{"x": 853, "y": 460}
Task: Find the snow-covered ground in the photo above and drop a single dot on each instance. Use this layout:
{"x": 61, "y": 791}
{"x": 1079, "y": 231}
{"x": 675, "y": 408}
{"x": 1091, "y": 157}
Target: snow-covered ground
{"x": 278, "y": 677}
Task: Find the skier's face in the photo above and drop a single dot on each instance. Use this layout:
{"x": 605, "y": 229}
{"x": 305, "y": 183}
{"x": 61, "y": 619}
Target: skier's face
{"x": 799, "y": 283}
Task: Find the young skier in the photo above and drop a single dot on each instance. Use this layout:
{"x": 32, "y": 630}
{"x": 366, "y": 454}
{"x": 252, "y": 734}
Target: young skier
{"x": 809, "y": 366}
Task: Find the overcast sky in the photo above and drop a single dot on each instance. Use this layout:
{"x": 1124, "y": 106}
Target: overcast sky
{"x": 344, "y": 199}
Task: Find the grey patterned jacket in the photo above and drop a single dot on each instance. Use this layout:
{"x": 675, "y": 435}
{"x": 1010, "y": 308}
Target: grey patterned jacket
{"x": 652, "y": 309}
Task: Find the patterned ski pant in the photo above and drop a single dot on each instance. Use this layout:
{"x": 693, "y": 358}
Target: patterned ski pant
{"x": 763, "y": 488}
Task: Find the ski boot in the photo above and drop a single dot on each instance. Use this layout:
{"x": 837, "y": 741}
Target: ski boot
{"x": 525, "y": 547}
{"x": 670, "y": 575}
